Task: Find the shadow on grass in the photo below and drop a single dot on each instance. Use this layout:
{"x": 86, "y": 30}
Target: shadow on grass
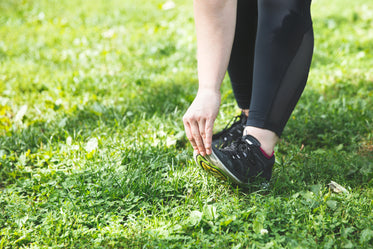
{"x": 336, "y": 121}
{"x": 328, "y": 138}
{"x": 89, "y": 120}
{"x": 94, "y": 116}
{"x": 138, "y": 184}
{"x": 341, "y": 116}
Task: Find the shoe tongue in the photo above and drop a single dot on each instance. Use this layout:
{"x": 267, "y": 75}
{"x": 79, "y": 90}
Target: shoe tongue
{"x": 251, "y": 140}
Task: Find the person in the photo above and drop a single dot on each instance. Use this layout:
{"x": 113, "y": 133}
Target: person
{"x": 267, "y": 48}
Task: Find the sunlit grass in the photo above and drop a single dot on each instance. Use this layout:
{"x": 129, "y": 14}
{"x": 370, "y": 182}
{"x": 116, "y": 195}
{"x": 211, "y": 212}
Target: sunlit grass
{"x": 92, "y": 148}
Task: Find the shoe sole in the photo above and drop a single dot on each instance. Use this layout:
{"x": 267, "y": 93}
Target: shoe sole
{"x": 209, "y": 167}
{"x": 212, "y": 164}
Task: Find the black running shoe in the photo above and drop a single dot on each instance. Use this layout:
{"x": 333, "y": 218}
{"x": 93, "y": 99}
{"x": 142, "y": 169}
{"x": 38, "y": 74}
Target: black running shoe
{"x": 241, "y": 161}
{"x": 230, "y": 133}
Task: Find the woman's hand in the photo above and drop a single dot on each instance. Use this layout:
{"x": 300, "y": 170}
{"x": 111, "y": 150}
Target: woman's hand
{"x": 199, "y": 120}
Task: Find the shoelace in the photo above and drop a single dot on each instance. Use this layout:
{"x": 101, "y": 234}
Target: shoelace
{"x": 240, "y": 149}
{"x": 230, "y": 124}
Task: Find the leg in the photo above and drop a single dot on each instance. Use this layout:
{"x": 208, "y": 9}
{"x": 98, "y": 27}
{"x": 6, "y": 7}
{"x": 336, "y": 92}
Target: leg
{"x": 283, "y": 53}
{"x": 240, "y": 69}
{"x": 241, "y": 62}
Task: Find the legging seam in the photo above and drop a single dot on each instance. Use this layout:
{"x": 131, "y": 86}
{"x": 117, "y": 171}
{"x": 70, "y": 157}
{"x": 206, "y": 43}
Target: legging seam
{"x": 267, "y": 118}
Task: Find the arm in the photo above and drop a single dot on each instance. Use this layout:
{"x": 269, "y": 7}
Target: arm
{"x": 215, "y": 26}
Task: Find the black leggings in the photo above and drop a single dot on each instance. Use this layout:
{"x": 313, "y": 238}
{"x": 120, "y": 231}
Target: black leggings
{"x": 270, "y": 59}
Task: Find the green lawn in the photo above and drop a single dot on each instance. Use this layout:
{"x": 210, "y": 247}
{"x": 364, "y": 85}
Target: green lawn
{"x": 93, "y": 152}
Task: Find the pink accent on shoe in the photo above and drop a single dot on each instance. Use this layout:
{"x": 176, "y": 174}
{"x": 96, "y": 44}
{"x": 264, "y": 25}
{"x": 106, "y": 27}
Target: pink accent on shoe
{"x": 266, "y": 155}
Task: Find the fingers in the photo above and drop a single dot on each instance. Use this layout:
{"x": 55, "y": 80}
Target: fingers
{"x": 199, "y": 120}
{"x": 208, "y": 135}
{"x": 198, "y": 133}
{"x": 202, "y": 132}
{"x": 195, "y": 128}
{"x": 189, "y": 135}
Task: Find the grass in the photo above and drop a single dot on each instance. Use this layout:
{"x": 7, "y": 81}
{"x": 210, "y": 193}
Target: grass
{"x": 92, "y": 149}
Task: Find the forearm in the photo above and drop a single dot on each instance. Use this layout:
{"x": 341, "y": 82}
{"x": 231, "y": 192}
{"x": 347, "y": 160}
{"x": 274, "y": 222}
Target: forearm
{"x": 215, "y": 24}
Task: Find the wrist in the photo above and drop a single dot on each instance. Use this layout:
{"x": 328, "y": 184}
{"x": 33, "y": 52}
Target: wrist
{"x": 209, "y": 89}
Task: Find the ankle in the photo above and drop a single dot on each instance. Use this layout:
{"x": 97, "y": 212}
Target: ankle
{"x": 245, "y": 111}
{"x": 268, "y": 156}
{"x": 267, "y": 139}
